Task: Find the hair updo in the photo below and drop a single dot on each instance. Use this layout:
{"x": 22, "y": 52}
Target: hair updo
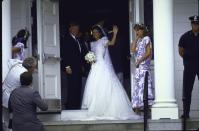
{"x": 99, "y": 29}
{"x": 21, "y": 36}
{"x": 141, "y": 27}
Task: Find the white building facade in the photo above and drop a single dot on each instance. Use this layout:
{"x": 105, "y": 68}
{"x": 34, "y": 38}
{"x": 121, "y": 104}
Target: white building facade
{"x": 170, "y": 21}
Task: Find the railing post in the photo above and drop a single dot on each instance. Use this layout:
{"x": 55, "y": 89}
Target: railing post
{"x": 145, "y": 99}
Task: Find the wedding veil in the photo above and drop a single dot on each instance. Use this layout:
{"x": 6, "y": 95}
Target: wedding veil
{"x": 101, "y": 28}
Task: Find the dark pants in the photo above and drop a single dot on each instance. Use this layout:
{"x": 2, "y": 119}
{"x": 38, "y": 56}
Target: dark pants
{"x": 64, "y": 90}
{"x": 189, "y": 74}
{"x": 72, "y": 84}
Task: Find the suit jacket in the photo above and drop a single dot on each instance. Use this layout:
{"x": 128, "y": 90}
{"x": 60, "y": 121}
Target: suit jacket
{"x": 22, "y": 103}
{"x": 71, "y": 55}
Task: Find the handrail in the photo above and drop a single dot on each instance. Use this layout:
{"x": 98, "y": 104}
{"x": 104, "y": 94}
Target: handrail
{"x": 145, "y": 100}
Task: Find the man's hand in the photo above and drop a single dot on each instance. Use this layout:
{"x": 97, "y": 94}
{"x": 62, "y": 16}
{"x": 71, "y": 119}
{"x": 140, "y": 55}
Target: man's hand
{"x": 68, "y": 70}
{"x": 181, "y": 51}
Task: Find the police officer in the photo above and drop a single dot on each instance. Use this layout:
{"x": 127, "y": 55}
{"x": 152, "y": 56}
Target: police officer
{"x": 189, "y": 51}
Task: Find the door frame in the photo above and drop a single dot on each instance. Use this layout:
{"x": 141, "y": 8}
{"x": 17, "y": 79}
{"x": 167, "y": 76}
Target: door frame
{"x": 40, "y": 47}
{"x": 136, "y": 15}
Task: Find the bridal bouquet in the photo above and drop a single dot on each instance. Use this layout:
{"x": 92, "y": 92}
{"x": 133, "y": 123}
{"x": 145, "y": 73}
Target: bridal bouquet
{"x": 90, "y": 57}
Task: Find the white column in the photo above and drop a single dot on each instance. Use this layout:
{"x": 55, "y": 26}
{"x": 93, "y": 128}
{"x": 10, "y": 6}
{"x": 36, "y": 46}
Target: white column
{"x": 139, "y": 11}
{"x": 165, "y": 104}
{"x": 6, "y": 36}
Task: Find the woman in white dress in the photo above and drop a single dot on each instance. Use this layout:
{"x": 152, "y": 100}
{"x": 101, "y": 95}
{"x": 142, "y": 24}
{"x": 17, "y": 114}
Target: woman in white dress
{"x": 104, "y": 97}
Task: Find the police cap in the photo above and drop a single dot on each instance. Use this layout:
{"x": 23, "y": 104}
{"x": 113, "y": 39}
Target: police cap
{"x": 194, "y": 19}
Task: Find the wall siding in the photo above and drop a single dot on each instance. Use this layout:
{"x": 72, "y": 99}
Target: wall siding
{"x": 21, "y": 18}
{"x": 182, "y": 10}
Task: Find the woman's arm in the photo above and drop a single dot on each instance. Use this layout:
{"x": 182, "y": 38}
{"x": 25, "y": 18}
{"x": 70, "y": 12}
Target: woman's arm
{"x": 133, "y": 45}
{"x": 146, "y": 55}
{"x": 15, "y": 50}
{"x": 115, "y": 30}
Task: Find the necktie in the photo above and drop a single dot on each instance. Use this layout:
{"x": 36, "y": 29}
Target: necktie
{"x": 87, "y": 47}
{"x": 78, "y": 44}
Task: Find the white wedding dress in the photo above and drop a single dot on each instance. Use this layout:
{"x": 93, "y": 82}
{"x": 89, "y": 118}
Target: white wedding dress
{"x": 104, "y": 96}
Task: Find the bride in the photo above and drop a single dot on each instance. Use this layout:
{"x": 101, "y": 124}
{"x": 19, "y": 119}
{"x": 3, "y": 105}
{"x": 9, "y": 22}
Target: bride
{"x": 104, "y": 97}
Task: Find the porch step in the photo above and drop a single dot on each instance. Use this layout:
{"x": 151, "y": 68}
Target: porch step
{"x": 73, "y": 115}
{"x": 193, "y": 124}
{"x": 82, "y": 115}
{"x": 173, "y": 125}
{"x": 100, "y": 125}
{"x": 76, "y": 120}
{"x": 116, "y": 125}
{"x": 165, "y": 125}
{"x": 71, "y": 121}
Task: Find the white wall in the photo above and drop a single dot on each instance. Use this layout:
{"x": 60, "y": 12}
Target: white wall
{"x": 6, "y": 37}
{"x": 21, "y": 18}
{"x": 182, "y": 10}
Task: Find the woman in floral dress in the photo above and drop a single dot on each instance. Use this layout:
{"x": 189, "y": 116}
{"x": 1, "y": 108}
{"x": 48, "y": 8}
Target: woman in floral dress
{"x": 142, "y": 49}
{"x": 19, "y": 44}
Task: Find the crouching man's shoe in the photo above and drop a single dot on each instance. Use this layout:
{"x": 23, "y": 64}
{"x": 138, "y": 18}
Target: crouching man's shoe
{"x": 182, "y": 116}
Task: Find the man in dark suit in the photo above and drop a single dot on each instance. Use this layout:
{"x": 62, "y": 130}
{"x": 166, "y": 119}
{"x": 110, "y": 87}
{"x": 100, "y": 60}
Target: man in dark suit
{"x": 72, "y": 53}
{"x": 23, "y": 103}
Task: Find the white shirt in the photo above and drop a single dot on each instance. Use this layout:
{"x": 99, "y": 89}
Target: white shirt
{"x": 12, "y": 79}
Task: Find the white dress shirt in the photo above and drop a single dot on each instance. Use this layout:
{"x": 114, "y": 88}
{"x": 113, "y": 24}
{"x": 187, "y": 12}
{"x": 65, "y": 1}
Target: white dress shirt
{"x": 12, "y": 79}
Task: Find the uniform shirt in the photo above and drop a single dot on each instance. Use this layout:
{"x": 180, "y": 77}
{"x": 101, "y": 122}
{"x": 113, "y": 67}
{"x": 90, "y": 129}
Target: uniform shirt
{"x": 190, "y": 43}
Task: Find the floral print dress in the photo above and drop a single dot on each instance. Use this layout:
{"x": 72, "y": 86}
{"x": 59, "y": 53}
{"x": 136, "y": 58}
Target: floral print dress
{"x": 138, "y": 90}
{"x": 20, "y": 55}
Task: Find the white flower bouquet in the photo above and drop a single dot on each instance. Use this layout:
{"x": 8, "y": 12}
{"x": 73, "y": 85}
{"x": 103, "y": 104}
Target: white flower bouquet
{"x": 90, "y": 57}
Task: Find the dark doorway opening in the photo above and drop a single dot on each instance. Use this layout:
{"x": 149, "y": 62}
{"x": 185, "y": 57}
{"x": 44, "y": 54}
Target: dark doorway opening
{"x": 148, "y": 19}
{"x": 89, "y": 12}
{"x": 34, "y": 29}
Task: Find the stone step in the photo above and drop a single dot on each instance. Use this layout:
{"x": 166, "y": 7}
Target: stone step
{"x": 116, "y": 125}
{"x": 172, "y": 125}
{"x": 83, "y": 115}
{"x": 73, "y": 115}
{"x": 100, "y": 125}
{"x": 73, "y": 120}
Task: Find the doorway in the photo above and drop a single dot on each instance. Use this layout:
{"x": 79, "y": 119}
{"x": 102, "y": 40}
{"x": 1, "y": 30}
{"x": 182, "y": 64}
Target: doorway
{"x": 87, "y": 13}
